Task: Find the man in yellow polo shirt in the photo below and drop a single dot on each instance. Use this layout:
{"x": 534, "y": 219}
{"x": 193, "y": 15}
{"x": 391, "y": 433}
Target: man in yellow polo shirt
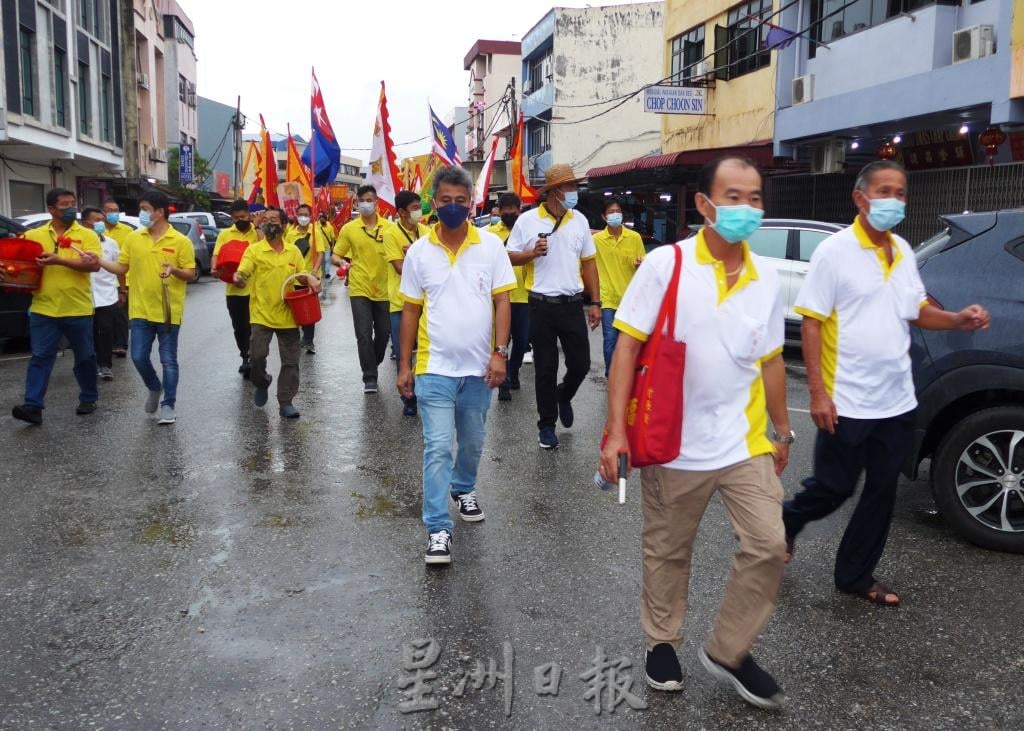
{"x": 361, "y": 241}
{"x": 330, "y": 235}
{"x": 158, "y": 261}
{"x": 61, "y": 306}
{"x": 398, "y": 237}
{"x": 306, "y": 237}
{"x": 619, "y": 252}
{"x": 118, "y": 232}
{"x": 266, "y": 267}
{"x": 508, "y": 209}
{"x": 237, "y": 298}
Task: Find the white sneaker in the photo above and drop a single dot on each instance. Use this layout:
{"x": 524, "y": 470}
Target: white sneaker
{"x": 528, "y": 357}
{"x": 166, "y": 415}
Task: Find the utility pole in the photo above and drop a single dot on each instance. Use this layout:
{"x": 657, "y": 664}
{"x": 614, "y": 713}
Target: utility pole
{"x": 237, "y": 122}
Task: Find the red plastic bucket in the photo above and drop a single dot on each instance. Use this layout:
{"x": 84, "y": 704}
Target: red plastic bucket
{"x": 228, "y": 259}
{"x": 303, "y": 303}
{"x": 18, "y": 267}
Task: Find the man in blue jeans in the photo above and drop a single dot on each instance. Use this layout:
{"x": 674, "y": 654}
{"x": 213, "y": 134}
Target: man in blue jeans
{"x": 61, "y": 306}
{"x": 158, "y": 261}
{"x": 455, "y": 283}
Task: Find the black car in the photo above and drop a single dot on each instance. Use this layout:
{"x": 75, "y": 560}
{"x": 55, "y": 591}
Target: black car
{"x": 970, "y": 386}
{"x": 13, "y": 307}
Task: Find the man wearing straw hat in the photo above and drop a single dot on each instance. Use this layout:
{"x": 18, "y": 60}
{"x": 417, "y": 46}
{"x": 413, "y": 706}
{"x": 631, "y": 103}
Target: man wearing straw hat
{"x": 158, "y": 261}
{"x": 267, "y": 266}
{"x": 62, "y": 306}
{"x": 554, "y": 245}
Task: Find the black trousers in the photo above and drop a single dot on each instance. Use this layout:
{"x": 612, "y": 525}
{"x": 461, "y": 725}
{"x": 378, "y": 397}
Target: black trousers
{"x": 238, "y": 309}
{"x": 551, "y": 324}
{"x": 372, "y": 322}
{"x": 308, "y": 333}
{"x": 103, "y": 327}
{"x": 121, "y": 326}
{"x": 876, "y": 447}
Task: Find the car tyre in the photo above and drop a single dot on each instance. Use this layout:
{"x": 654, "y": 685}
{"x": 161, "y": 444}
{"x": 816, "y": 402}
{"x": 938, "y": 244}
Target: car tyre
{"x": 950, "y": 473}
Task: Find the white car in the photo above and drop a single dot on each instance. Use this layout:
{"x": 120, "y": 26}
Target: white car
{"x": 35, "y": 220}
{"x": 787, "y": 243}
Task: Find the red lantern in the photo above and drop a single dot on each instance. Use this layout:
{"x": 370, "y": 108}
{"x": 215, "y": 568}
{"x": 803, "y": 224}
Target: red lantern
{"x": 991, "y": 139}
{"x": 887, "y": 151}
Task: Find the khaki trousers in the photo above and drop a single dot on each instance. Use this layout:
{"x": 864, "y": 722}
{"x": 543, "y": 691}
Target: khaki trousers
{"x": 674, "y": 502}
{"x": 289, "y": 348}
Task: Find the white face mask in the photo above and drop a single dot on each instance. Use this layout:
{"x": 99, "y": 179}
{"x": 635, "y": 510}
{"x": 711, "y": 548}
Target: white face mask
{"x": 303, "y": 220}
{"x": 367, "y": 208}
{"x": 415, "y": 217}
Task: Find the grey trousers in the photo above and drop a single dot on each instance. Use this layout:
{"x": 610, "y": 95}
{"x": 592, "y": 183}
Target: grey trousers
{"x": 288, "y": 347}
{"x": 372, "y": 323}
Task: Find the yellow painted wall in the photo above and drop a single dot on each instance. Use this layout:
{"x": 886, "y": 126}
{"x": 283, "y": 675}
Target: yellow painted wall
{"x": 744, "y": 107}
{"x": 1017, "y": 51}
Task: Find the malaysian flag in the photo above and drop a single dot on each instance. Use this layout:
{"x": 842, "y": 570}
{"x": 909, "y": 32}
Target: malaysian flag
{"x": 444, "y": 144}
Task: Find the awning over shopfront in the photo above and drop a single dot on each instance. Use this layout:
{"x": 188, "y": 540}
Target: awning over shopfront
{"x": 760, "y": 153}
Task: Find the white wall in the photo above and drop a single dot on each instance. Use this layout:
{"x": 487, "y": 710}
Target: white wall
{"x": 602, "y": 53}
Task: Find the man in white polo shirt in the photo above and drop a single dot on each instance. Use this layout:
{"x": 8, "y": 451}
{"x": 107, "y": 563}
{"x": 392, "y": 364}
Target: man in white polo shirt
{"x": 455, "y": 283}
{"x": 731, "y": 317}
{"x": 861, "y": 295}
{"x": 554, "y": 245}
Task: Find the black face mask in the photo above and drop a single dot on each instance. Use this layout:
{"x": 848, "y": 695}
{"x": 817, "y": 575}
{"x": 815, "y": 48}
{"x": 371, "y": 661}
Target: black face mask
{"x": 509, "y": 219}
{"x": 272, "y": 230}
{"x": 243, "y": 226}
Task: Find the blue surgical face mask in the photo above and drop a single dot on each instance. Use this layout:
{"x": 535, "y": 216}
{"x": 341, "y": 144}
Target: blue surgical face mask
{"x": 571, "y": 198}
{"x": 145, "y": 219}
{"x": 886, "y": 213}
{"x": 453, "y": 215}
{"x": 614, "y": 219}
{"x": 113, "y": 218}
{"x": 99, "y": 227}
{"x": 735, "y": 223}
{"x": 495, "y": 220}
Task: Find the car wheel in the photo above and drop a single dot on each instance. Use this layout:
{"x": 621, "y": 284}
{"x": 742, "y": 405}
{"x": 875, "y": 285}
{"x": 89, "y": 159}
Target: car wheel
{"x": 978, "y": 478}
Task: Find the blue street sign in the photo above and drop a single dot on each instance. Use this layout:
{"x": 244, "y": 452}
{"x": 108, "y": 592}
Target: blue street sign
{"x": 186, "y": 170}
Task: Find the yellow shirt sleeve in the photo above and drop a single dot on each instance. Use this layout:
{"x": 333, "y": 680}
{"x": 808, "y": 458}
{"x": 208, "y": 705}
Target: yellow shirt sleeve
{"x": 342, "y": 247}
{"x": 246, "y": 265}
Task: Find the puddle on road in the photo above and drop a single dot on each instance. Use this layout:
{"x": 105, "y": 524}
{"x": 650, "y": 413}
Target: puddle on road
{"x": 163, "y": 527}
{"x": 382, "y": 506}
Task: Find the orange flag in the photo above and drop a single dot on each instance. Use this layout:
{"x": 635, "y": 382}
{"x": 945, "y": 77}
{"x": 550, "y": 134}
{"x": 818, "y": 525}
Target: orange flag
{"x": 296, "y": 171}
{"x": 268, "y": 167}
{"x": 521, "y": 184}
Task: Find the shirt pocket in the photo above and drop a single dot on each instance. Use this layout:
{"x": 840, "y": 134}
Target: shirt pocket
{"x": 743, "y": 336}
{"x": 907, "y": 301}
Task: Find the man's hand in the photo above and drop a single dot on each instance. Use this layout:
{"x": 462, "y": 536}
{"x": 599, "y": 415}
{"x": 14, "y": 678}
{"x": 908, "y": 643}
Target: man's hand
{"x": 594, "y": 316}
{"x": 165, "y": 271}
{"x": 541, "y": 247}
{"x": 495, "y": 375}
{"x": 404, "y": 381}
{"x": 615, "y": 443}
{"x": 781, "y": 457}
{"x": 972, "y": 318}
{"x": 89, "y": 258}
{"x": 823, "y": 412}
{"x": 48, "y": 259}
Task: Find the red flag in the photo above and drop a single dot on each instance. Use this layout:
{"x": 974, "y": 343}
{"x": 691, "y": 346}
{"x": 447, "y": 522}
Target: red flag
{"x": 269, "y": 167}
{"x": 343, "y": 215}
{"x": 384, "y": 174}
{"x": 520, "y": 184}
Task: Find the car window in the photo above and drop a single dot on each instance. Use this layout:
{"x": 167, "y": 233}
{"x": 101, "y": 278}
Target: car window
{"x": 182, "y": 227}
{"x": 809, "y": 241}
{"x": 769, "y": 242}
{"x": 222, "y": 220}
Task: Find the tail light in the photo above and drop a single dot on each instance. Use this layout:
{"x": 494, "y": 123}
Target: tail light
{"x": 199, "y": 229}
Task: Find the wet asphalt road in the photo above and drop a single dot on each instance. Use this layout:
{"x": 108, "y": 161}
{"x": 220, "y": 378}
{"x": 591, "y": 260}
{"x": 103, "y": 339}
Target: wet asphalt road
{"x": 235, "y": 571}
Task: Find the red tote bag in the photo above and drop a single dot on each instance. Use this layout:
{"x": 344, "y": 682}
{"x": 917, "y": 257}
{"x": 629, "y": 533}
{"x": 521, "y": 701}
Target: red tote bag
{"x": 654, "y": 417}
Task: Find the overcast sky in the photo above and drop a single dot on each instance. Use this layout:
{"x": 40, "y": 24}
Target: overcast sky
{"x": 416, "y": 48}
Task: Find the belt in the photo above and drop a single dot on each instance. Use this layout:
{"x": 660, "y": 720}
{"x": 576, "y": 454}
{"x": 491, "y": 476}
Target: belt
{"x": 562, "y": 299}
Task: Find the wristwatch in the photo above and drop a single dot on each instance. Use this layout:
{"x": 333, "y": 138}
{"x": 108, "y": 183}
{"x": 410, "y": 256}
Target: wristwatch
{"x": 783, "y": 439}
{"x": 501, "y": 350}
{"x": 595, "y": 303}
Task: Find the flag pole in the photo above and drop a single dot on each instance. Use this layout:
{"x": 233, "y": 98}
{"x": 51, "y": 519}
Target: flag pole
{"x": 312, "y": 174}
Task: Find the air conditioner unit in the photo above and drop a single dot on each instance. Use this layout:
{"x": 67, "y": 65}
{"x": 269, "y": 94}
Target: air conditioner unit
{"x": 828, "y": 157}
{"x": 803, "y": 89}
{"x": 157, "y": 154}
{"x": 972, "y": 43}
{"x": 142, "y": 80}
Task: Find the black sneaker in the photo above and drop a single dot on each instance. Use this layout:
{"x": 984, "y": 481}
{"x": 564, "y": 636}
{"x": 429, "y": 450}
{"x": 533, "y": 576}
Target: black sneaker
{"x": 754, "y": 685}
{"x": 439, "y": 548}
{"x": 565, "y": 414}
{"x": 85, "y": 407}
{"x": 514, "y": 381}
{"x": 370, "y": 387}
{"x": 547, "y": 439}
{"x": 31, "y": 414}
{"x": 310, "y": 349}
{"x": 469, "y": 508}
{"x": 663, "y": 671}
{"x": 260, "y": 395}
{"x": 505, "y": 392}
{"x": 409, "y": 406}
